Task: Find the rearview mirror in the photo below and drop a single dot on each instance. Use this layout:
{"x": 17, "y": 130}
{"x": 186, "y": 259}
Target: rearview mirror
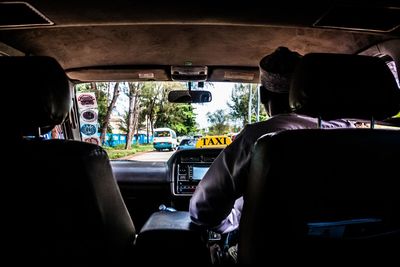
{"x": 186, "y": 96}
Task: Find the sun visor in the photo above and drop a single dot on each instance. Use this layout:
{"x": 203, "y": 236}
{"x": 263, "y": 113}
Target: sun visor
{"x": 244, "y": 75}
{"x": 118, "y": 74}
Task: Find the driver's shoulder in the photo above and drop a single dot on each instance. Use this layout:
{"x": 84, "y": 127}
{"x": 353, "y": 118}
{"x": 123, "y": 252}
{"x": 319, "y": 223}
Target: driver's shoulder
{"x": 278, "y": 122}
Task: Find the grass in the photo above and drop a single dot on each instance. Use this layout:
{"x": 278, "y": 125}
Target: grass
{"x": 119, "y": 151}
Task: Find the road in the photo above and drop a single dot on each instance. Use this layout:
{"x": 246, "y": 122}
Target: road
{"x": 152, "y": 156}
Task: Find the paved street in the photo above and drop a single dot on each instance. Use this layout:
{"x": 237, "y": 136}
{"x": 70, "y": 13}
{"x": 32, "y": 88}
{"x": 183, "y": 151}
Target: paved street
{"x": 152, "y": 156}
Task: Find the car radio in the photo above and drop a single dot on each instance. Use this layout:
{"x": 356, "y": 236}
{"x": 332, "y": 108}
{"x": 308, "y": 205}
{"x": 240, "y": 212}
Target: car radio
{"x": 189, "y": 167}
{"x": 188, "y": 176}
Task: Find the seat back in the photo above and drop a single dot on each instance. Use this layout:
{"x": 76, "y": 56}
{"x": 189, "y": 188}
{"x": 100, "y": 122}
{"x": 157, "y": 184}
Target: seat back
{"x": 307, "y": 187}
{"x": 68, "y": 207}
{"x": 323, "y": 194}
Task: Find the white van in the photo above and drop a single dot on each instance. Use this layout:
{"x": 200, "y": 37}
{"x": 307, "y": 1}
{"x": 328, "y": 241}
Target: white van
{"x": 164, "y": 138}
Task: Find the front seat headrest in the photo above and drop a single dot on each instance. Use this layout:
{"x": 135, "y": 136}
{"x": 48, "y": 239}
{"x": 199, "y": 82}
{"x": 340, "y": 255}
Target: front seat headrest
{"x": 37, "y": 92}
{"x": 332, "y": 86}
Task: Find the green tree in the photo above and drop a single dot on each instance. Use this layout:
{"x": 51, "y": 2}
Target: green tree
{"x": 110, "y": 108}
{"x": 165, "y": 110}
{"x": 179, "y": 117}
{"x": 133, "y": 111}
{"x": 218, "y": 121}
{"x": 239, "y": 104}
{"x": 149, "y": 104}
{"x": 184, "y": 122}
{"x": 123, "y": 124}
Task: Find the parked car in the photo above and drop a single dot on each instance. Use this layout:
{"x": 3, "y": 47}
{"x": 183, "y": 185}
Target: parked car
{"x": 187, "y": 143}
{"x": 164, "y": 138}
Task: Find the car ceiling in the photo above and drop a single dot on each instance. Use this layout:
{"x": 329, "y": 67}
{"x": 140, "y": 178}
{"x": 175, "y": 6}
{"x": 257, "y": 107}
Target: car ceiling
{"x": 93, "y": 40}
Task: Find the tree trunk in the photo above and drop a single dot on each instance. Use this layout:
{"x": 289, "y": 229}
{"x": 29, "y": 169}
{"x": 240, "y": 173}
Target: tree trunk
{"x": 136, "y": 116}
{"x": 131, "y": 113}
{"x": 95, "y": 90}
{"x": 149, "y": 125}
{"x": 137, "y": 130}
{"x": 94, "y": 86}
{"x": 151, "y": 118}
{"x": 147, "y": 129}
{"x": 108, "y": 114}
{"x": 151, "y": 114}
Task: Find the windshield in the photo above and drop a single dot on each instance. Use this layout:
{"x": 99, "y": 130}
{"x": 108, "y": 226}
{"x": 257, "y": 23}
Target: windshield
{"x": 187, "y": 142}
{"x": 162, "y": 134}
{"x": 135, "y": 121}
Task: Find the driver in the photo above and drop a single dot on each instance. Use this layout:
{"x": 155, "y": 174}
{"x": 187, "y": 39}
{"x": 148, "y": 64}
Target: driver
{"x": 217, "y": 201}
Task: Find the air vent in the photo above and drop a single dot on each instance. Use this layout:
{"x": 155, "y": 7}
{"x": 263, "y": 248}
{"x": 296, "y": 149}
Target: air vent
{"x": 21, "y": 14}
{"x": 379, "y": 19}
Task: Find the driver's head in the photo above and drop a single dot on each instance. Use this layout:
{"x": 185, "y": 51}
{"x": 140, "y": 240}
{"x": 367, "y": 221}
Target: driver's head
{"x": 275, "y": 73}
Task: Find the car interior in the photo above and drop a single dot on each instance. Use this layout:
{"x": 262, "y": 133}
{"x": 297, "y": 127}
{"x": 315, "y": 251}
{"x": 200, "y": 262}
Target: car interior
{"x": 327, "y": 192}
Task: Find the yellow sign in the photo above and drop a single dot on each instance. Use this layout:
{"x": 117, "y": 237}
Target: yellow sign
{"x": 219, "y": 141}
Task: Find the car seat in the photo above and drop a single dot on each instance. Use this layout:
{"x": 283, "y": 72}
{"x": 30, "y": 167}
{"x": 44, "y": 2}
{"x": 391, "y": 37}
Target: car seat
{"x": 65, "y": 206}
{"x": 323, "y": 195}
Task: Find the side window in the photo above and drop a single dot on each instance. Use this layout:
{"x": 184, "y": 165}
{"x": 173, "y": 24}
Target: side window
{"x": 392, "y": 66}
{"x": 394, "y": 121}
{"x": 173, "y": 135}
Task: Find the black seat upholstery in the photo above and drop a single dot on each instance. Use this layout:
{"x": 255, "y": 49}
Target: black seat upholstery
{"x": 327, "y": 194}
{"x": 69, "y": 210}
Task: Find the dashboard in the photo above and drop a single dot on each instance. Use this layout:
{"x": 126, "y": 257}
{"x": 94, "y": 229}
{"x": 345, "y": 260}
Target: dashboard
{"x": 146, "y": 185}
{"x": 188, "y": 167}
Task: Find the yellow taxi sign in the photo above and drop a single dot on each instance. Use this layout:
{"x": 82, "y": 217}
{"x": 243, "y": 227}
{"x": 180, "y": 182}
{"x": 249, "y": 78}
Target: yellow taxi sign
{"x": 216, "y": 141}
